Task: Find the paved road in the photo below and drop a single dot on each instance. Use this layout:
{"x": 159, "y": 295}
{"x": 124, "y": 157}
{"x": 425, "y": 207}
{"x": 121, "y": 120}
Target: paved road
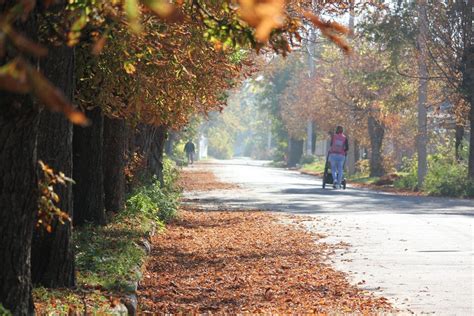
{"x": 416, "y": 251}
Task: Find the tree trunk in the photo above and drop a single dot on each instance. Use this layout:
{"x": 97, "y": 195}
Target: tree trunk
{"x": 169, "y": 143}
{"x": 142, "y": 140}
{"x": 295, "y": 151}
{"x": 471, "y": 142}
{"x": 87, "y": 172}
{"x": 309, "y": 138}
{"x": 313, "y": 139}
{"x": 459, "y": 135}
{"x": 114, "y": 151}
{"x": 18, "y": 187}
{"x": 422, "y": 137}
{"x": 351, "y": 157}
{"x": 356, "y": 150}
{"x": 52, "y": 254}
{"x": 155, "y": 159}
{"x": 18, "y": 200}
{"x": 376, "y": 134}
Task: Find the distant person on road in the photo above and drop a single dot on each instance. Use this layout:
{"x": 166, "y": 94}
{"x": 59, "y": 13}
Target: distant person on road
{"x": 337, "y": 156}
{"x": 190, "y": 149}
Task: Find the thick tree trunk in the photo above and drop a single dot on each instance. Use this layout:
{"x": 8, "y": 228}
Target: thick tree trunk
{"x": 295, "y": 151}
{"x": 376, "y": 134}
{"x": 18, "y": 187}
{"x": 142, "y": 140}
{"x": 115, "y": 145}
{"x": 356, "y": 150}
{"x": 18, "y": 200}
{"x": 87, "y": 173}
{"x": 155, "y": 159}
{"x": 169, "y": 143}
{"x": 52, "y": 254}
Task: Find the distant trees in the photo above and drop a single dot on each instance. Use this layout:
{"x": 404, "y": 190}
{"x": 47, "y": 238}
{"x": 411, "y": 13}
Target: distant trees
{"x": 374, "y": 91}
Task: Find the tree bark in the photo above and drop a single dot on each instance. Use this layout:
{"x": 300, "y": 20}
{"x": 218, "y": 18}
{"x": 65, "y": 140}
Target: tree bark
{"x": 18, "y": 200}
{"x": 87, "y": 173}
{"x": 170, "y": 143}
{"x": 295, "y": 151}
{"x": 142, "y": 140}
{"x": 376, "y": 134}
{"x": 459, "y": 135}
{"x": 115, "y": 146}
{"x": 155, "y": 159}
{"x": 314, "y": 138}
{"x": 52, "y": 254}
{"x": 18, "y": 187}
{"x": 309, "y": 138}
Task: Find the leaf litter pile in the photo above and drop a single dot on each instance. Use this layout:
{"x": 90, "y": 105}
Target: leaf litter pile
{"x": 245, "y": 262}
{"x": 198, "y": 178}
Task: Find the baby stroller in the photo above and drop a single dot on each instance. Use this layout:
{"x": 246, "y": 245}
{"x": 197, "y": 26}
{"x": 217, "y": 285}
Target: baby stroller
{"x": 327, "y": 176}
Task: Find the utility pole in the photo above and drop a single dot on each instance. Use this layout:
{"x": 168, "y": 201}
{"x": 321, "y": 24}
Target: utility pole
{"x": 311, "y": 49}
{"x": 353, "y": 154}
{"x": 422, "y": 137}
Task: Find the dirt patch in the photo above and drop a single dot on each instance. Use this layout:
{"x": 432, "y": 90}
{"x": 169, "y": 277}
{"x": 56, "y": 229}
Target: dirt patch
{"x": 312, "y": 173}
{"x": 201, "y": 179}
{"x": 238, "y": 262}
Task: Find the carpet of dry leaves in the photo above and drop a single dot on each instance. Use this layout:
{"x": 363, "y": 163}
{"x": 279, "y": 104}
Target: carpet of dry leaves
{"x": 245, "y": 262}
{"x": 198, "y": 178}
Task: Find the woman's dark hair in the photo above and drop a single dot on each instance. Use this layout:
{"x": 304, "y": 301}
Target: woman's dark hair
{"x": 339, "y": 129}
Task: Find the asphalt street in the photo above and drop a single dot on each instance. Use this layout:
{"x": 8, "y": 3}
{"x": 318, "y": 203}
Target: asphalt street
{"x": 416, "y": 251}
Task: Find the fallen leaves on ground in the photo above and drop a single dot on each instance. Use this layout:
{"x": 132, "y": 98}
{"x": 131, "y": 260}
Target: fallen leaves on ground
{"x": 201, "y": 179}
{"x": 82, "y": 300}
{"x": 245, "y": 262}
{"x": 388, "y": 189}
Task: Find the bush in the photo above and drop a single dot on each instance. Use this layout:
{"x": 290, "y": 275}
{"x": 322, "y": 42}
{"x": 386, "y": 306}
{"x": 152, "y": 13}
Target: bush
{"x": 155, "y": 202}
{"x": 408, "y": 177}
{"x": 445, "y": 176}
{"x": 178, "y": 154}
{"x": 307, "y": 159}
{"x": 362, "y": 166}
{"x": 4, "y": 311}
{"x": 170, "y": 175}
{"x": 279, "y": 153}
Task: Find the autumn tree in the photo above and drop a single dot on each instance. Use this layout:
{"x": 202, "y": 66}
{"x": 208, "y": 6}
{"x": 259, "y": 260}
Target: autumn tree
{"x": 52, "y": 254}
{"x": 445, "y": 38}
{"x": 161, "y": 87}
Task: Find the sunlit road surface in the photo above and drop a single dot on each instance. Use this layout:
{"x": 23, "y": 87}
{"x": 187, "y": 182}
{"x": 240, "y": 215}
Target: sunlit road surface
{"x": 416, "y": 251}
